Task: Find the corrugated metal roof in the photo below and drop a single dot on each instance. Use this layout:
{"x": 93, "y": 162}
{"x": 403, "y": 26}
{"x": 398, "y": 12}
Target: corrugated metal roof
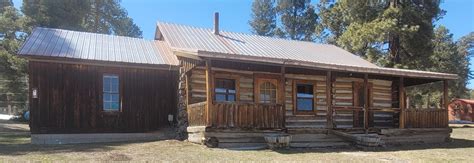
{"x": 204, "y": 42}
{"x": 47, "y": 42}
{"x": 187, "y": 37}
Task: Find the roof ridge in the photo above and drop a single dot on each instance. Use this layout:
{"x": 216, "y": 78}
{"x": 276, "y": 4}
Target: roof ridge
{"x": 242, "y": 33}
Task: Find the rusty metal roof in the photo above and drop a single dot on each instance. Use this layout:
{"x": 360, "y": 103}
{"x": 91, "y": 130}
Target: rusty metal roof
{"x": 229, "y": 45}
{"x": 47, "y": 42}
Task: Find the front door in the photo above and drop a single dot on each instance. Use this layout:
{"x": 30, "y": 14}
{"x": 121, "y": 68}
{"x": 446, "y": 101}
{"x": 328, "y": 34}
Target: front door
{"x": 359, "y": 101}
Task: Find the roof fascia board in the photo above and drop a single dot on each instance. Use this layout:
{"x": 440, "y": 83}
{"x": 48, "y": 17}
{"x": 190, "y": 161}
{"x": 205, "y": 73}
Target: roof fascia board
{"x": 101, "y": 63}
{"x": 346, "y": 68}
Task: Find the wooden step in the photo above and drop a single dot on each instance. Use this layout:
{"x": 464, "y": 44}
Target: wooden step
{"x": 320, "y": 145}
{"x": 243, "y": 146}
{"x": 307, "y": 120}
{"x": 300, "y": 138}
{"x": 304, "y": 125}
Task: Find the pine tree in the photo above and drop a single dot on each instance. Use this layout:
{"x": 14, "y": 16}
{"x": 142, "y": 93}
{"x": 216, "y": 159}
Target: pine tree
{"x": 12, "y": 69}
{"x": 263, "y": 15}
{"x": 298, "y": 19}
{"x": 99, "y": 16}
{"x": 107, "y": 16}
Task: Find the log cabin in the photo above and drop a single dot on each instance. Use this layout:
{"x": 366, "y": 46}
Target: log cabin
{"x": 225, "y": 89}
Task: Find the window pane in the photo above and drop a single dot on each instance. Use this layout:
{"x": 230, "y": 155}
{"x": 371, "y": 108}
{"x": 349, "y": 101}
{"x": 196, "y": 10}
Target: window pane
{"x": 220, "y": 90}
{"x": 114, "y": 98}
{"x": 231, "y": 91}
{"x": 106, "y": 105}
{"x": 220, "y": 97}
{"x": 115, "y": 85}
{"x": 231, "y": 98}
{"x": 304, "y": 104}
{"x": 115, "y": 105}
{"x": 106, "y": 85}
{"x": 106, "y": 97}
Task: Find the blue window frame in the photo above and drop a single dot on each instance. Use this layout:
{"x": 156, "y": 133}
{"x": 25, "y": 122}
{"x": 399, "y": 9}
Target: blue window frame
{"x": 111, "y": 92}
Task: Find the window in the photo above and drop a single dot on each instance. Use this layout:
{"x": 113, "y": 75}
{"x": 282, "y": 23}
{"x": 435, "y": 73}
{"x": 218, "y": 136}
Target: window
{"x": 111, "y": 93}
{"x": 224, "y": 90}
{"x": 267, "y": 92}
{"x": 304, "y": 97}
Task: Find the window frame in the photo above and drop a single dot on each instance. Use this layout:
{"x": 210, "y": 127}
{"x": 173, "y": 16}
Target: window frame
{"x": 261, "y": 78}
{"x": 103, "y": 92}
{"x": 295, "y": 97}
{"x": 227, "y": 93}
{"x": 225, "y": 76}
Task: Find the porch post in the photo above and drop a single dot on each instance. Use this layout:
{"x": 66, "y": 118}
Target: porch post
{"x": 209, "y": 87}
{"x": 329, "y": 100}
{"x": 366, "y": 109}
{"x": 283, "y": 95}
{"x": 445, "y": 94}
{"x": 401, "y": 102}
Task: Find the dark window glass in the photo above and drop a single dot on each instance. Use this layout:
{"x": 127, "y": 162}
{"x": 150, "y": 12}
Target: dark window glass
{"x": 304, "y": 97}
{"x": 224, "y": 90}
{"x": 111, "y": 95}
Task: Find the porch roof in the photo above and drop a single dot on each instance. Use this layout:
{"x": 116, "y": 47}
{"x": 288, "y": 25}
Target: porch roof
{"x": 202, "y": 42}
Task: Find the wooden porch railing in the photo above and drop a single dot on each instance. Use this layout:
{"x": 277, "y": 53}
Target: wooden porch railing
{"x": 426, "y": 118}
{"x": 247, "y": 116}
{"x": 197, "y": 114}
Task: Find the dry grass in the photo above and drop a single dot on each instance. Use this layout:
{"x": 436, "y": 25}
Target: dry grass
{"x": 17, "y": 148}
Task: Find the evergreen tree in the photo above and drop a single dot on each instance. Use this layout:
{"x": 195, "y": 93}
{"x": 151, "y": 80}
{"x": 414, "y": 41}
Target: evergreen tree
{"x": 263, "y": 20}
{"x": 107, "y": 16}
{"x": 392, "y": 33}
{"x": 298, "y": 19}
{"x": 448, "y": 56}
{"x": 99, "y": 16}
{"x": 12, "y": 69}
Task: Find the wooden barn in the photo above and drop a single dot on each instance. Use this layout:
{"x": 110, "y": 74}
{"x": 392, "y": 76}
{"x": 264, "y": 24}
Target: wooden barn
{"x": 460, "y": 110}
{"x": 224, "y": 89}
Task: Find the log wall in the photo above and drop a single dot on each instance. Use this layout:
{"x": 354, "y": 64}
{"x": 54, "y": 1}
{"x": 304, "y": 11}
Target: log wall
{"x": 70, "y": 99}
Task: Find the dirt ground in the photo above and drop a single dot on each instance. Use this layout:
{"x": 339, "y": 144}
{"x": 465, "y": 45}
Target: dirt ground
{"x": 17, "y": 147}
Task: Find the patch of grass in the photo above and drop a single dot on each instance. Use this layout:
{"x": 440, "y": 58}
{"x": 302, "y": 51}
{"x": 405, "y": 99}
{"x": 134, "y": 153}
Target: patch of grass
{"x": 17, "y": 148}
{"x": 14, "y": 139}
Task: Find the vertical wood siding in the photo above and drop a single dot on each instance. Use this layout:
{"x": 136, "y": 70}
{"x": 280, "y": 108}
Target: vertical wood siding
{"x": 70, "y": 99}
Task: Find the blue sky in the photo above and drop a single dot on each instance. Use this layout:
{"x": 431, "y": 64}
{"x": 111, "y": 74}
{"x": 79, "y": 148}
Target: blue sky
{"x": 235, "y": 14}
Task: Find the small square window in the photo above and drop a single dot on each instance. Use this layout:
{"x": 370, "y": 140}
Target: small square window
{"x": 225, "y": 90}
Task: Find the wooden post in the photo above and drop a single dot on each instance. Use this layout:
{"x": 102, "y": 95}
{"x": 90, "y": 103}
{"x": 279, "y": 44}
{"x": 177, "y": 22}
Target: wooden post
{"x": 209, "y": 87}
{"x": 329, "y": 100}
{"x": 366, "y": 106}
{"x": 283, "y": 93}
{"x": 446, "y": 102}
{"x": 401, "y": 102}
{"x": 445, "y": 94}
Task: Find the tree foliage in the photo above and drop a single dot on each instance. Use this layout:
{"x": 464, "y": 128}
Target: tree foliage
{"x": 99, "y": 16}
{"x": 263, "y": 20}
{"x": 389, "y": 33}
{"x": 292, "y": 19}
{"x": 12, "y": 68}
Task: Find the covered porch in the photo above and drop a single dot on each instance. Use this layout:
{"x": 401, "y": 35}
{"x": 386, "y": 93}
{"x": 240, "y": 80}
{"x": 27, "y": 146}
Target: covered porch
{"x": 342, "y": 101}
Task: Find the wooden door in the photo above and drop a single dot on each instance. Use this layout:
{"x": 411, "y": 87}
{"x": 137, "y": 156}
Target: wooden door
{"x": 359, "y": 100}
